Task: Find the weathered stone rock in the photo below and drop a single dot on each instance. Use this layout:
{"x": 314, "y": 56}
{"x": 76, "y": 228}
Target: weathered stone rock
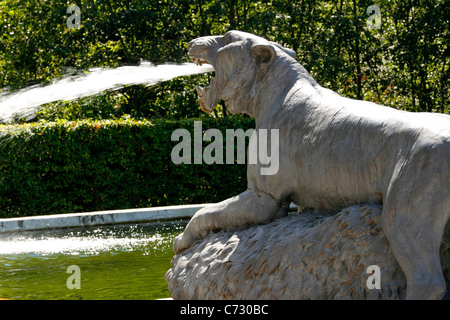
{"x": 302, "y": 256}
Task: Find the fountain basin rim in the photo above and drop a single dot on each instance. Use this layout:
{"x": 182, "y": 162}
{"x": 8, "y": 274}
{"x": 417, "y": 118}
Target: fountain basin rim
{"x": 71, "y": 220}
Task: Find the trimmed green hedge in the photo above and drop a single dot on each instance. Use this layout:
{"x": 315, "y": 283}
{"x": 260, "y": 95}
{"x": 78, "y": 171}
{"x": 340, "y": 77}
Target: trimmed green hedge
{"x": 60, "y": 167}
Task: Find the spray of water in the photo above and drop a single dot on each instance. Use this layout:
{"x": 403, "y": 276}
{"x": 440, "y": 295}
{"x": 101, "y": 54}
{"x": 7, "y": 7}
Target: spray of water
{"x": 90, "y": 240}
{"x": 74, "y": 245}
{"x": 25, "y": 102}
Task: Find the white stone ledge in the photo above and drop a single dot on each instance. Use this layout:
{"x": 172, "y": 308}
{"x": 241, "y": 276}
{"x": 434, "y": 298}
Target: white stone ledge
{"x": 70, "y": 220}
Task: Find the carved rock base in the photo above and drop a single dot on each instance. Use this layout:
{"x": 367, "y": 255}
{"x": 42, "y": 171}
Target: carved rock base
{"x": 302, "y": 256}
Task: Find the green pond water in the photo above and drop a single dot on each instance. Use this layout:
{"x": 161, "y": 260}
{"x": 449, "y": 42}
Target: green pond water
{"x": 115, "y": 262}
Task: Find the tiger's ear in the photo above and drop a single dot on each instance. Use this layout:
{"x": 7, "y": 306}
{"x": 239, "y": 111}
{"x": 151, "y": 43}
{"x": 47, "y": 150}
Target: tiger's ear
{"x": 264, "y": 54}
{"x": 290, "y": 52}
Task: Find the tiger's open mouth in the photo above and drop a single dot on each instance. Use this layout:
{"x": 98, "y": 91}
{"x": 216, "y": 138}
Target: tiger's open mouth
{"x": 207, "y": 96}
{"x": 207, "y": 101}
{"x": 201, "y": 91}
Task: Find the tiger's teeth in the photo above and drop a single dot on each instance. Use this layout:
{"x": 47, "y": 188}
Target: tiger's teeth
{"x": 199, "y": 61}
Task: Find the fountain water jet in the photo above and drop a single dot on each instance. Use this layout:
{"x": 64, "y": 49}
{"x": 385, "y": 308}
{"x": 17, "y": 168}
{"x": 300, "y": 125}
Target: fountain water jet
{"x": 26, "y": 101}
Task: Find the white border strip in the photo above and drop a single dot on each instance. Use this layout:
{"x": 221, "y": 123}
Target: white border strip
{"x": 70, "y": 220}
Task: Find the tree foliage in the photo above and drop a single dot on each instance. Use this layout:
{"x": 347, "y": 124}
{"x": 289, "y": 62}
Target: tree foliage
{"x": 404, "y": 64}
